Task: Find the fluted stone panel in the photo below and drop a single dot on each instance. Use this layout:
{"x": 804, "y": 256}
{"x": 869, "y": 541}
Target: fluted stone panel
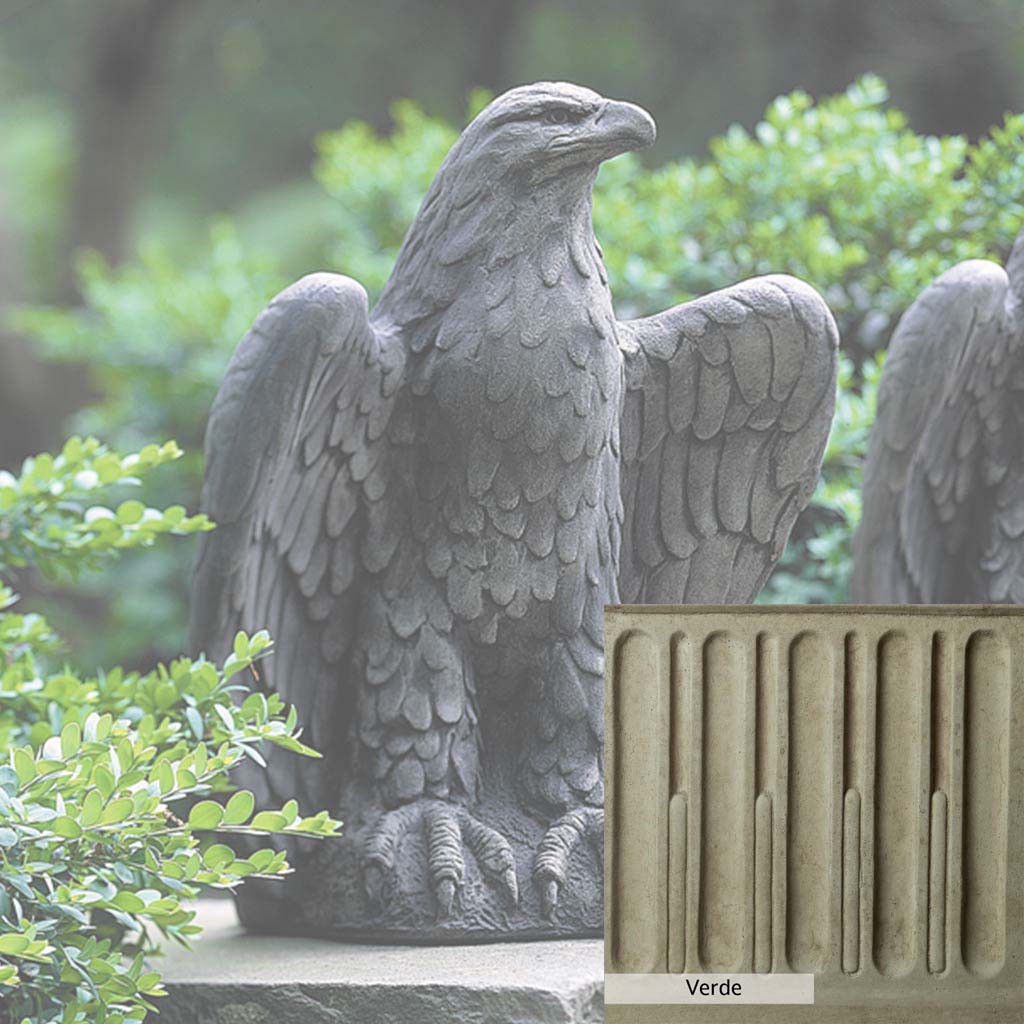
{"x": 837, "y": 791}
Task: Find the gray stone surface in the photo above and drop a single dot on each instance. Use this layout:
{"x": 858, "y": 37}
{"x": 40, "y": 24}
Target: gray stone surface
{"x": 944, "y": 476}
{"x": 234, "y": 977}
{"x": 428, "y": 505}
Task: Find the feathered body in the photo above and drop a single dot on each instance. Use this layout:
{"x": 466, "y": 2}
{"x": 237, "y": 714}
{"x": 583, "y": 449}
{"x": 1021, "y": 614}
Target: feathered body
{"x": 943, "y": 488}
{"x": 429, "y": 506}
{"x": 511, "y": 423}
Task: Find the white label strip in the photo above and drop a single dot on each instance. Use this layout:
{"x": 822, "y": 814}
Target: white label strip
{"x": 708, "y": 988}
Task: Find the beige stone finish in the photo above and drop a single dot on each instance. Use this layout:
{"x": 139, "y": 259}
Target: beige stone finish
{"x": 829, "y": 790}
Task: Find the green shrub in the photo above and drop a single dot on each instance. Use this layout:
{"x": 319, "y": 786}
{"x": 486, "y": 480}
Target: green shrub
{"x": 94, "y": 863}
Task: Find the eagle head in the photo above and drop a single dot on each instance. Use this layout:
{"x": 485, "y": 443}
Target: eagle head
{"x": 541, "y": 131}
{"x": 523, "y": 169}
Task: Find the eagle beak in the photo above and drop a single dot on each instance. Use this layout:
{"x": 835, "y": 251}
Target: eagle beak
{"x": 621, "y": 127}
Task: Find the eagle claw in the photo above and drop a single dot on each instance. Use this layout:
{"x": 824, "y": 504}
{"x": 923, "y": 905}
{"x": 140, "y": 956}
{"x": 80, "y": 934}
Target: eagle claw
{"x": 551, "y": 864}
{"x": 448, "y": 831}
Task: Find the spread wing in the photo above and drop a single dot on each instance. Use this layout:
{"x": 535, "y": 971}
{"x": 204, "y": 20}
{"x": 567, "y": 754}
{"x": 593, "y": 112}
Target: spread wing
{"x": 729, "y": 400}
{"x": 296, "y": 464}
{"x": 935, "y": 479}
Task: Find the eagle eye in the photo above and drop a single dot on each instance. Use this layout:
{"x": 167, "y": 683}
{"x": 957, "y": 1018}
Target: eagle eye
{"x": 560, "y": 115}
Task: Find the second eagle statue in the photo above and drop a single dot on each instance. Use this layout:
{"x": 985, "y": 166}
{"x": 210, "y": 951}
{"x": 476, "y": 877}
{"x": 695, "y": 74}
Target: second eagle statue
{"x": 429, "y": 505}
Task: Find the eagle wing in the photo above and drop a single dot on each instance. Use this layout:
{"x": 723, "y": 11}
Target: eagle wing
{"x": 728, "y": 405}
{"x": 296, "y": 480}
{"x": 938, "y": 446}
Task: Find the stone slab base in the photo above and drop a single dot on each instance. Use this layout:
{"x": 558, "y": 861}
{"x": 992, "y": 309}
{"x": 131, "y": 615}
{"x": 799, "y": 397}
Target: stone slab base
{"x": 233, "y": 977}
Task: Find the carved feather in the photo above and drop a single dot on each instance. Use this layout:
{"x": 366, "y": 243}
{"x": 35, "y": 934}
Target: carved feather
{"x": 707, "y": 508}
{"x": 938, "y": 484}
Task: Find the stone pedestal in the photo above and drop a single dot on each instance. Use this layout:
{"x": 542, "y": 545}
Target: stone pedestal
{"x": 233, "y": 977}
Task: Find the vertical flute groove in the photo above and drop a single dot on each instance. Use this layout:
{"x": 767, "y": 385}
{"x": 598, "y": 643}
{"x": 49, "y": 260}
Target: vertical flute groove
{"x": 763, "y": 884}
{"x": 938, "y": 839}
{"x": 809, "y": 827}
{"x": 898, "y": 799}
{"x": 640, "y": 773}
{"x": 986, "y": 802}
{"x": 937, "y": 886}
{"x": 854, "y": 728}
{"x": 851, "y": 882}
{"x": 677, "y": 883}
{"x": 766, "y": 699}
{"x": 683, "y": 745}
{"x": 941, "y": 713}
{"x": 723, "y": 938}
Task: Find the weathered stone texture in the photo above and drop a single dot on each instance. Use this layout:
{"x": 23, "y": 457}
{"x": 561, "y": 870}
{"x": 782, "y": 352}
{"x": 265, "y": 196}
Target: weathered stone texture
{"x": 232, "y": 977}
{"x": 837, "y": 791}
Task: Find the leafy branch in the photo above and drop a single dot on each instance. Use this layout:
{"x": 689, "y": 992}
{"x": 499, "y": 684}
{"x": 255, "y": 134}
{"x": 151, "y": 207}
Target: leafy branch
{"x": 98, "y": 855}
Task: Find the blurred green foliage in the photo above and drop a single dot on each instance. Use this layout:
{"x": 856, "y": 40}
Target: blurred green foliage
{"x": 155, "y": 336}
{"x": 842, "y": 193}
{"x": 377, "y": 184}
{"x": 36, "y": 159}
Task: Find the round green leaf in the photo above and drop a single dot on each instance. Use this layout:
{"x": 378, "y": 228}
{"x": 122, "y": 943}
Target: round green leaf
{"x": 103, "y": 780}
{"x": 165, "y": 777}
{"x": 217, "y": 856}
{"x": 239, "y": 808}
{"x": 70, "y": 739}
{"x": 269, "y": 821}
{"x": 24, "y": 765}
{"x": 129, "y": 512}
{"x": 13, "y": 944}
{"x": 166, "y": 694}
{"x": 149, "y": 983}
{"x": 128, "y": 902}
{"x": 67, "y": 827}
{"x": 206, "y": 814}
{"x": 92, "y": 808}
{"x": 116, "y": 811}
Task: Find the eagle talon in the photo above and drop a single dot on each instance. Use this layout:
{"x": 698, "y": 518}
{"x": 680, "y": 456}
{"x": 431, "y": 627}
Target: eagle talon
{"x": 549, "y": 898}
{"x": 373, "y": 882}
{"x": 445, "y": 893}
{"x": 448, "y": 831}
{"x": 551, "y": 865}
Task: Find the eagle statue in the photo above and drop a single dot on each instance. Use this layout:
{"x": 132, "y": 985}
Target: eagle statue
{"x": 943, "y": 492}
{"x": 428, "y": 505}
